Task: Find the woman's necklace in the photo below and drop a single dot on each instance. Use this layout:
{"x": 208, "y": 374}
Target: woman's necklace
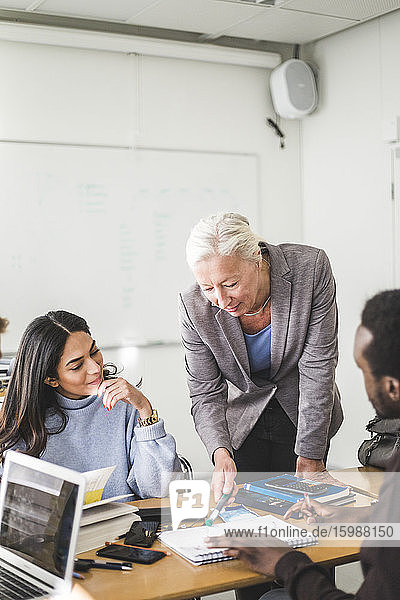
{"x": 259, "y": 310}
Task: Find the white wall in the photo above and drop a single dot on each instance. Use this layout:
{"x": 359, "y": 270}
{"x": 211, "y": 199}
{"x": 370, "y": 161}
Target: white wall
{"x": 205, "y": 106}
{"x": 66, "y": 95}
{"x": 347, "y": 204}
{"x": 93, "y": 97}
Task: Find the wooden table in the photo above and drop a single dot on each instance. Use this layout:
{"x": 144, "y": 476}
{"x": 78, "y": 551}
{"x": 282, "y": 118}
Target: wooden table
{"x": 173, "y": 578}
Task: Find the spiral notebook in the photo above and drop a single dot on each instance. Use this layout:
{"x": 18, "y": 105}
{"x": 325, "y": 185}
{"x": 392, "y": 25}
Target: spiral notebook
{"x": 189, "y": 543}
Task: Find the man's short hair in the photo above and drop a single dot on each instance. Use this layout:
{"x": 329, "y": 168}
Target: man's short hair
{"x": 381, "y": 316}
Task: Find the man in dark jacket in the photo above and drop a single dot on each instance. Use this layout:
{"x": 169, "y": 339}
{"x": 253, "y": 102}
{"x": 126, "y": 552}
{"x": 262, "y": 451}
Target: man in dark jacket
{"x": 377, "y": 354}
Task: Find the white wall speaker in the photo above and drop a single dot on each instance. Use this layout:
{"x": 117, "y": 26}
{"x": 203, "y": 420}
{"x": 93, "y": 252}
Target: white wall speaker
{"x": 293, "y": 89}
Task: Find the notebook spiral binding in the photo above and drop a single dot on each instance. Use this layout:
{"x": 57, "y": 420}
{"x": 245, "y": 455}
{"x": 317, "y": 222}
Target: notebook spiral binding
{"x": 210, "y": 557}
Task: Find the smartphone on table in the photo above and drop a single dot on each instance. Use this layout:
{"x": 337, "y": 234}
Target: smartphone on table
{"x": 130, "y": 554}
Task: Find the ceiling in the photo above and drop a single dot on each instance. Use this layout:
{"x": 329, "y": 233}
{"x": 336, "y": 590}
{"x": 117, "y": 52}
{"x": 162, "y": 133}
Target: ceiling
{"x": 235, "y": 21}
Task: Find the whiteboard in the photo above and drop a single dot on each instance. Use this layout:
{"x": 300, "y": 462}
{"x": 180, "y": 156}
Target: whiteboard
{"x": 101, "y": 232}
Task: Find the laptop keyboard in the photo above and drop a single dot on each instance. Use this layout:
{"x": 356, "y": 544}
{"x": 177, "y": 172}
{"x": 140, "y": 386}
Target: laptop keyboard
{"x": 13, "y": 587}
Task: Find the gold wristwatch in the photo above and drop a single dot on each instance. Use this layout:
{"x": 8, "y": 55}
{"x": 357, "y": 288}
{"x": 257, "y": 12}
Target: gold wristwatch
{"x": 153, "y": 418}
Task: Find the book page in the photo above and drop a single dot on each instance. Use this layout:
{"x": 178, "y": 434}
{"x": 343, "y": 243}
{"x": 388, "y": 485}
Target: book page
{"x": 95, "y": 482}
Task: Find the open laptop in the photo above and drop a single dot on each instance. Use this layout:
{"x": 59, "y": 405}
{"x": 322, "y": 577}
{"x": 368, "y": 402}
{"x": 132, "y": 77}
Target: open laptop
{"x": 40, "y": 511}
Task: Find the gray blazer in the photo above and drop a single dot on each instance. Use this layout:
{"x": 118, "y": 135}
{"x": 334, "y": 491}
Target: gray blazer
{"x": 226, "y": 403}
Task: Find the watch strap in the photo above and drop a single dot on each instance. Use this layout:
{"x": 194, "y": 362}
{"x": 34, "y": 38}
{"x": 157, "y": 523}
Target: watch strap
{"x": 153, "y": 418}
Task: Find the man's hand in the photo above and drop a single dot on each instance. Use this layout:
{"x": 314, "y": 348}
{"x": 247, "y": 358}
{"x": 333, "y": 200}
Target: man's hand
{"x": 314, "y": 511}
{"x": 223, "y": 479}
{"x": 262, "y": 556}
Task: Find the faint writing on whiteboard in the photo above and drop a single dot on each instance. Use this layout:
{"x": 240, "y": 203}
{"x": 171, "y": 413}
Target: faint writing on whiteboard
{"x": 128, "y": 253}
{"x": 17, "y": 261}
{"x": 93, "y": 198}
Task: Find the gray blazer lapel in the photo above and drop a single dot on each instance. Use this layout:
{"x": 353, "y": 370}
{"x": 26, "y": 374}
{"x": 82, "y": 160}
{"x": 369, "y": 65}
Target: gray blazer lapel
{"x": 281, "y": 290}
{"x": 233, "y": 333}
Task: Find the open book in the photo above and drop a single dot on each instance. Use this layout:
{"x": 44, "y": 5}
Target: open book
{"x": 189, "y": 543}
{"x": 95, "y": 484}
{"x": 103, "y": 519}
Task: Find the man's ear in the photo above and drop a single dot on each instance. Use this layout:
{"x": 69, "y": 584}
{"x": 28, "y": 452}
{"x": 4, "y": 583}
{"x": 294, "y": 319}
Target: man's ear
{"x": 52, "y": 382}
{"x": 392, "y": 388}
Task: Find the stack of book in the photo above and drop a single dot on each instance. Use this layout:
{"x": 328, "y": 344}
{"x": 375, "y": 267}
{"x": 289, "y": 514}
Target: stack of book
{"x": 292, "y": 489}
{"x": 5, "y": 365}
{"x": 103, "y": 520}
{"x": 4, "y": 377}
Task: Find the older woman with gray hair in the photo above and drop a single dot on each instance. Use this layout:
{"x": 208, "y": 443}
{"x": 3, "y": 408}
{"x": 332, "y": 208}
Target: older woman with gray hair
{"x": 259, "y": 328}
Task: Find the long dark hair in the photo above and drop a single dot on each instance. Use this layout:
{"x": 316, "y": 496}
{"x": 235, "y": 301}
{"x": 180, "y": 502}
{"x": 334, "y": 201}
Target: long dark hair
{"x": 29, "y": 399}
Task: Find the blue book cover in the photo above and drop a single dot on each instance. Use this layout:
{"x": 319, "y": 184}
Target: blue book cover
{"x": 263, "y": 487}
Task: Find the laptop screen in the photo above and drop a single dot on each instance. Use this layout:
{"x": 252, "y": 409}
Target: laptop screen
{"x": 38, "y": 517}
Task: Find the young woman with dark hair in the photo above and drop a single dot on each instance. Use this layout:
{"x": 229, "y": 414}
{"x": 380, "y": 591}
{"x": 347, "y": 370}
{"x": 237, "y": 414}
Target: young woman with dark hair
{"x": 65, "y": 406}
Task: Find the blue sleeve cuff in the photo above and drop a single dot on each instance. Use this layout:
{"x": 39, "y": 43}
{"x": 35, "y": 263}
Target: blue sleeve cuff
{"x": 150, "y": 432}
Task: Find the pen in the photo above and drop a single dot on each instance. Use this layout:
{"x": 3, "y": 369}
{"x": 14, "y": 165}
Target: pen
{"x": 86, "y": 564}
{"x": 307, "y": 499}
{"x": 220, "y": 505}
{"x": 138, "y": 547}
{"x": 112, "y": 566}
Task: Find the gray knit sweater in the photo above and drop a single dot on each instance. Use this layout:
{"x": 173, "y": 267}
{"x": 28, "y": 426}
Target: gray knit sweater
{"x": 96, "y": 438}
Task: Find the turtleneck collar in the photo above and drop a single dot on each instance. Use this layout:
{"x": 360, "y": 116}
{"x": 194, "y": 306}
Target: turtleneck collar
{"x": 71, "y": 404}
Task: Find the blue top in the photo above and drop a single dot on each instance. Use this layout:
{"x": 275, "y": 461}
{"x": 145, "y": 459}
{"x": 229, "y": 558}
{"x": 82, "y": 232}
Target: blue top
{"x": 259, "y": 349}
{"x": 145, "y": 457}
